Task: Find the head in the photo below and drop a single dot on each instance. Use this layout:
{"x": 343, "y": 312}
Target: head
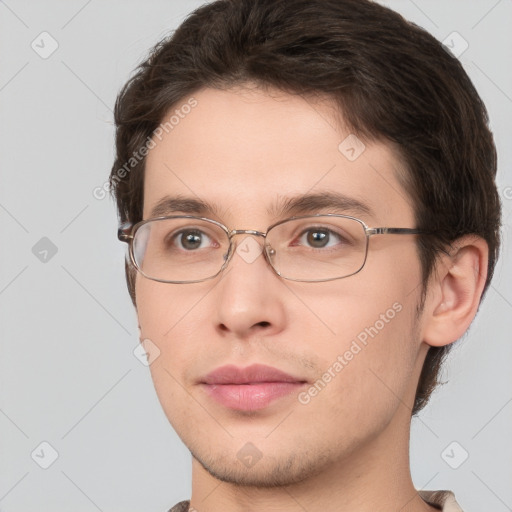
{"x": 245, "y": 105}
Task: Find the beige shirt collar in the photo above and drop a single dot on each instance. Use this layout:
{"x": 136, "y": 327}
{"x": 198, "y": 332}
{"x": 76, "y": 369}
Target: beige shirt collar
{"x": 444, "y": 500}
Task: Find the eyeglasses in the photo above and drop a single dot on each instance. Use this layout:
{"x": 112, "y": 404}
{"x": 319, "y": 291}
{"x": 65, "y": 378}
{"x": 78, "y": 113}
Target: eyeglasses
{"x": 189, "y": 249}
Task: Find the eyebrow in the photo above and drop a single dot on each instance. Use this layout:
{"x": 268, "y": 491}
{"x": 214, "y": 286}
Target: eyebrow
{"x": 327, "y": 202}
{"x": 168, "y": 205}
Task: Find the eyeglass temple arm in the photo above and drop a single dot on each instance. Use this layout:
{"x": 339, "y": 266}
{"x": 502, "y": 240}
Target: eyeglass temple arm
{"x": 124, "y": 232}
{"x": 394, "y": 231}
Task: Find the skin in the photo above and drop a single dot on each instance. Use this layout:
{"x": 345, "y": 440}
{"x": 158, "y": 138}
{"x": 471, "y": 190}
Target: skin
{"x": 347, "y": 449}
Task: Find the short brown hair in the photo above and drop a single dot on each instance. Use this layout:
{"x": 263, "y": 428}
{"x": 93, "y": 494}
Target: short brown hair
{"x": 391, "y": 80}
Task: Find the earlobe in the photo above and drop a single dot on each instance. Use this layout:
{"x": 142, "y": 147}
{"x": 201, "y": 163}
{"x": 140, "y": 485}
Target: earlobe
{"x": 455, "y": 291}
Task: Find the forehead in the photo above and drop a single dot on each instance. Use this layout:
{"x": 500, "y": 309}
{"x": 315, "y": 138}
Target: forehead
{"x": 248, "y": 155}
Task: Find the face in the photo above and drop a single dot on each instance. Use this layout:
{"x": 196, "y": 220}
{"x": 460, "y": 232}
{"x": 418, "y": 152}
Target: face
{"x": 351, "y": 345}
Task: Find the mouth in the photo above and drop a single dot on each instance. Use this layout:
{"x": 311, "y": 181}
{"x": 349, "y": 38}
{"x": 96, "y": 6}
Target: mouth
{"x": 249, "y": 389}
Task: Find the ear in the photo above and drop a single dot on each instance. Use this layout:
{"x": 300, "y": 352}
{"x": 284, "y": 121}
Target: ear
{"x": 455, "y": 290}
{"x": 130, "y": 274}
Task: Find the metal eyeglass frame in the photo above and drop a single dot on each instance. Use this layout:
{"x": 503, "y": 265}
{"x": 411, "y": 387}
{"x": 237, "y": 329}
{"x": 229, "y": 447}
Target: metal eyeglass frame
{"x": 126, "y": 233}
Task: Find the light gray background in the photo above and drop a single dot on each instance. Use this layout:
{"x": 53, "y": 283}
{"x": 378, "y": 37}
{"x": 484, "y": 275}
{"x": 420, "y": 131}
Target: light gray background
{"x": 68, "y": 375}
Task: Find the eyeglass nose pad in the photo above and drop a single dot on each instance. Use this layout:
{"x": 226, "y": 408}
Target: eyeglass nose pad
{"x": 270, "y": 252}
{"x": 229, "y": 254}
{"x": 226, "y": 257}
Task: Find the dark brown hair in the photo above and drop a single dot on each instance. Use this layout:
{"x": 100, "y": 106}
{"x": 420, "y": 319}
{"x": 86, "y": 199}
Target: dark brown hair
{"x": 390, "y": 79}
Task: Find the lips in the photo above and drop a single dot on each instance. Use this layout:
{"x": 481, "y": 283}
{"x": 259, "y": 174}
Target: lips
{"x": 251, "y": 388}
{"x": 252, "y": 374}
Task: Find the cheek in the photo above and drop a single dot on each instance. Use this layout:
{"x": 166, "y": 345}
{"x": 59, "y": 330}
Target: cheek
{"x": 174, "y": 319}
{"x": 164, "y": 314}
{"x": 365, "y": 371}
{"x": 158, "y": 312}
{"x": 366, "y": 342}
{"x": 160, "y": 306}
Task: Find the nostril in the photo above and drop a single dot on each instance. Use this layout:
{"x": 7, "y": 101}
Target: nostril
{"x": 264, "y": 324}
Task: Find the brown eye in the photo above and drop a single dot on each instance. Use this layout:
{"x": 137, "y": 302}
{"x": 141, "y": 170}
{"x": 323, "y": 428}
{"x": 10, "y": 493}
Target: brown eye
{"x": 191, "y": 239}
{"x": 318, "y": 237}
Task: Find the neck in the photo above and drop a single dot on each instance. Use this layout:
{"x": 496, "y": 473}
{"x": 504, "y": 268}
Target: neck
{"x": 375, "y": 477}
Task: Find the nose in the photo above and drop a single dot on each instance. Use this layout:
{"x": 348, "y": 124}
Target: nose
{"x": 249, "y": 297}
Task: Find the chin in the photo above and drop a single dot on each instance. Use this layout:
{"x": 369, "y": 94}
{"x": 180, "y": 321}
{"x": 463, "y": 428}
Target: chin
{"x": 267, "y": 472}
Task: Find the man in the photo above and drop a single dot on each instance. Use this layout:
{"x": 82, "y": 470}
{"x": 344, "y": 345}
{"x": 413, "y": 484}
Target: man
{"x": 307, "y": 190}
